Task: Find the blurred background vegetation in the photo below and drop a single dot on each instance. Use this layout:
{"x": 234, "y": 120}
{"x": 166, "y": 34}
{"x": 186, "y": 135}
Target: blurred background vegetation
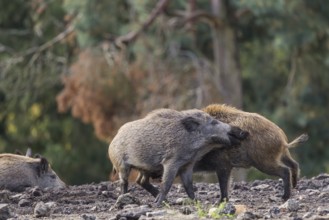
{"x": 73, "y": 71}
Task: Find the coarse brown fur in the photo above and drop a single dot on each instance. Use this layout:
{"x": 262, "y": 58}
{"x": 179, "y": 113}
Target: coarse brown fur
{"x": 167, "y": 143}
{"x": 266, "y": 149}
{"x": 18, "y": 172}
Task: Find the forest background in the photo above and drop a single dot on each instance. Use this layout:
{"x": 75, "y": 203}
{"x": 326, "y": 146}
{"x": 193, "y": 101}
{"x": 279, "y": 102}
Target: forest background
{"x": 73, "y": 71}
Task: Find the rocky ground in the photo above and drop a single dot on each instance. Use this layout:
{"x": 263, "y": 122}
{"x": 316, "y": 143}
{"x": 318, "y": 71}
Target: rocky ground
{"x": 252, "y": 200}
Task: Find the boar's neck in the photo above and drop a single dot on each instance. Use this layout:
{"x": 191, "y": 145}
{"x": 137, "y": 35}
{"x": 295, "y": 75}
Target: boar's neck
{"x": 225, "y": 117}
{"x": 204, "y": 150}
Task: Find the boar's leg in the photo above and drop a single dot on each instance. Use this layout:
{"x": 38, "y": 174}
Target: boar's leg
{"x": 143, "y": 180}
{"x": 223, "y": 175}
{"x": 293, "y": 165}
{"x": 124, "y": 172}
{"x": 186, "y": 177}
{"x": 169, "y": 174}
{"x": 282, "y": 171}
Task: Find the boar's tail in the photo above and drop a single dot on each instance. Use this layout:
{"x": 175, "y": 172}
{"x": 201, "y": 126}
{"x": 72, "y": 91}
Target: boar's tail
{"x": 301, "y": 139}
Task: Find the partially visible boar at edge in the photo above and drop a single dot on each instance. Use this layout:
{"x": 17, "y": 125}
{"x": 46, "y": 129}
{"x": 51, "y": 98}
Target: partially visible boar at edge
{"x": 167, "y": 143}
{"x": 19, "y": 172}
{"x": 266, "y": 149}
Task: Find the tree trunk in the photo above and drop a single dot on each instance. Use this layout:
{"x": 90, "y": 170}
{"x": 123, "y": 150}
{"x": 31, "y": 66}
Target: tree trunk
{"x": 226, "y": 62}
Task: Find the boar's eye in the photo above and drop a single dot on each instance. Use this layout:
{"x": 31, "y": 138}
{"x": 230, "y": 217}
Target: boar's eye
{"x": 214, "y": 122}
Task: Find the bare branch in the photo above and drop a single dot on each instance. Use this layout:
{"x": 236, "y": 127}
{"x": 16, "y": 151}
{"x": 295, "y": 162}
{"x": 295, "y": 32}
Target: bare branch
{"x": 131, "y": 36}
{"x": 199, "y": 14}
{"x": 50, "y": 43}
{"x": 15, "y": 32}
{"x": 291, "y": 77}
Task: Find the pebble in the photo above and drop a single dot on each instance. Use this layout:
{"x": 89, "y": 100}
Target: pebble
{"x": 323, "y": 211}
{"x": 274, "y": 199}
{"x": 126, "y": 199}
{"x": 183, "y": 201}
{"x": 312, "y": 192}
{"x": 213, "y": 194}
{"x": 275, "y": 212}
{"x": 292, "y": 205}
{"x": 67, "y": 210}
{"x": 186, "y": 210}
{"x": 36, "y": 191}
{"x": 234, "y": 200}
{"x": 156, "y": 213}
{"x": 51, "y": 204}
{"x": 17, "y": 196}
{"x": 307, "y": 215}
{"x": 324, "y": 195}
{"x": 24, "y": 202}
{"x": 229, "y": 209}
{"x": 130, "y": 206}
{"x": 88, "y": 217}
{"x": 133, "y": 213}
{"x": 4, "y": 211}
{"x": 93, "y": 209}
{"x": 107, "y": 194}
{"x": 260, "y": 187}
{"x": 102, "y": 187}
{"x": 41, "y": 210}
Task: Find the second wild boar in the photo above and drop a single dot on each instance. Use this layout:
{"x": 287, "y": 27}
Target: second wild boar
{"x": 167, "y": 143}
{"x": 19, "y": 172}
{"x": 266, "y": 149}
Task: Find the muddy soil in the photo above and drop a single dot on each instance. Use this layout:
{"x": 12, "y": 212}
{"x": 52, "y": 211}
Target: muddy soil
{"x": 248, "y": 200}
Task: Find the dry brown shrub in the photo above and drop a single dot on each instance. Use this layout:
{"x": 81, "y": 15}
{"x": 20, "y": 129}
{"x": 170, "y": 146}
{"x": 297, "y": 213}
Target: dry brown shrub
{"x": 95, "y": 92}
{"x": 109, "y": 94}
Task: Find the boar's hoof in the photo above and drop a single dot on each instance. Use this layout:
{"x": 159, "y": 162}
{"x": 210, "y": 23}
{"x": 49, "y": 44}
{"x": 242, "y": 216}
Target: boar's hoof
{"x": 286, "y": 196}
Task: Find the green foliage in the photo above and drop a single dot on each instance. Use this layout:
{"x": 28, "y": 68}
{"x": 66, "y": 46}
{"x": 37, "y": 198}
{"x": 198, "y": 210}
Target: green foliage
{"x": 216, "y": 212}
{"x": 284, "y": 71}
{"x": 200, "y": 210}
{"x": 97, "y": 20}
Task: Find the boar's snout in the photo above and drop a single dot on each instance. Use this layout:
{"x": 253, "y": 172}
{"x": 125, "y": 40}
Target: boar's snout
{"x": 236, "y": 135}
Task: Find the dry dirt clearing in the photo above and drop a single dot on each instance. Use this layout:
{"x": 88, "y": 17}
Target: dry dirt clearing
{"x": 249, "y": 200}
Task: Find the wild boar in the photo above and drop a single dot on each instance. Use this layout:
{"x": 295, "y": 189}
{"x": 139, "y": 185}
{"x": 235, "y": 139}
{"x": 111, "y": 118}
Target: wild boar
{"x": 18, "y": 172}
{"x": 167, "y": 143}
{"x": 266, "y": 149}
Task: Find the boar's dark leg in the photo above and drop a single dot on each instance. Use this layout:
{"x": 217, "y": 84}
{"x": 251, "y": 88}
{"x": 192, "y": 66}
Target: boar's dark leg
{"x": 223, "y": 175}
{"x": 293, "y": 165}
{"x": 169, "y": 174}
{"x": 186, "y": 177}
{"x": 143, "y": 180}
{"x": 124, "y": 171}
{"x": 282, "y": 171}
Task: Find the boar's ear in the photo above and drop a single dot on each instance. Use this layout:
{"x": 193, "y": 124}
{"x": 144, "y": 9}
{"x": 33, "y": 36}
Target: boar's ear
{"x": 37, "y": 156}
{"x": 42, "y": 166}
{"x": 190, "y": 124}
